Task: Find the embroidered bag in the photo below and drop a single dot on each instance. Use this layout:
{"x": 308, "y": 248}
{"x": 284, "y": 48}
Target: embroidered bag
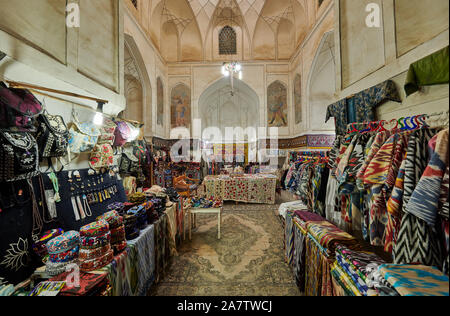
{"x": 19, "y": 158}
{"x": 102, "y": 156}
{"x": 122, "y": 133}
{"x": 129, "y": 162}
{"x": 52, "y": 137}
{"x": 107, "y": 132}
{"x": 130, "y": 185}
{"x": 83, "y": 136}
{"x": 18, "y": 108}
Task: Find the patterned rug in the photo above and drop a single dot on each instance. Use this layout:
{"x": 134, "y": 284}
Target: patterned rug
{"x": 247, "y": 261}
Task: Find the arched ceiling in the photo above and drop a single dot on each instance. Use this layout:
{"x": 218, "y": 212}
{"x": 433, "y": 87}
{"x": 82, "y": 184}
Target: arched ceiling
{"x": 192, "y": 23}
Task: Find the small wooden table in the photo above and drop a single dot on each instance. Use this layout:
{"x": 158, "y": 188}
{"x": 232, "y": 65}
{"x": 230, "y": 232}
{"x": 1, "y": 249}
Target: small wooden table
{"x": 193, "y": 215}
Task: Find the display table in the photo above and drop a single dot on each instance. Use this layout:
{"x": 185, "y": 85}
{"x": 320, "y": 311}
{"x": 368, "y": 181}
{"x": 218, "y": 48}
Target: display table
{"x": 193, "y": 212}
{"x": 258, "y": 189}
{"x": 132, "y": 272}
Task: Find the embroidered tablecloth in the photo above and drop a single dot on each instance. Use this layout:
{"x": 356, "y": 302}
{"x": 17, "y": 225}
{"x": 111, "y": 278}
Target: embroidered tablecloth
{"x": 258, "y": 189}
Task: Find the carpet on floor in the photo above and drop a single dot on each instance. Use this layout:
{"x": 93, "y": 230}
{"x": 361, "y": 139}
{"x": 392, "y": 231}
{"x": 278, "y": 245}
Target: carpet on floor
{"x": 247, "y": 261}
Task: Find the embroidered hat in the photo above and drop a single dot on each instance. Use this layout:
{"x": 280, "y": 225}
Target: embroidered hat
{"x": 63, "y": 243}
{"x": 95, "y": 242}
{"x": 95, "y": 229}
{"x": 40, "y": 246}
{"x": 113, "y": 218}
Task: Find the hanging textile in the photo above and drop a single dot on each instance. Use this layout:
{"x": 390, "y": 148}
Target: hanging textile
{"x": 361, "y": 107}
{"x": 431, "y": 70}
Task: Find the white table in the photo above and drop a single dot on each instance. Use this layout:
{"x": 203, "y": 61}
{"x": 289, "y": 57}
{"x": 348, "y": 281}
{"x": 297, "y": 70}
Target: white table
{"x": 193, "y": 215}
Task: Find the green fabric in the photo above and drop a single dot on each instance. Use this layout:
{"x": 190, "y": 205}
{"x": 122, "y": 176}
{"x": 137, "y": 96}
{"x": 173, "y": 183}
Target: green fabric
{"x": 431, "y": 70}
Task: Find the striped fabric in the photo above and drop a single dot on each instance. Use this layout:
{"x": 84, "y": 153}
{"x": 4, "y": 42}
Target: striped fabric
{"x": 394, "y": 206}
{"x": 424, "y": 201}
{"x": 417, "y": 241}
{"x": 290, "y": 236}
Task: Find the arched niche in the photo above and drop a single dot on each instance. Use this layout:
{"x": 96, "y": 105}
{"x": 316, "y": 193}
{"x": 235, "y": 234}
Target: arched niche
{"x": 322, "y": 84}
{"x": 137, "y": 86}
{"x": 181, "y": 106}
{"x": 218, "y": 108}
{"x": 277, "y": 105}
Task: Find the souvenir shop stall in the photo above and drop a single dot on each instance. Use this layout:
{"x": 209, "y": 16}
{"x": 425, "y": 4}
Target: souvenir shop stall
{"x": 373, "y": 218}
{"x": 56, "y": 219}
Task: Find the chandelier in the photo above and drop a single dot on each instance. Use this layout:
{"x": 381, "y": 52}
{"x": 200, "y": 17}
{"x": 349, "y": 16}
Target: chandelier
{"x": 229, "y": 70}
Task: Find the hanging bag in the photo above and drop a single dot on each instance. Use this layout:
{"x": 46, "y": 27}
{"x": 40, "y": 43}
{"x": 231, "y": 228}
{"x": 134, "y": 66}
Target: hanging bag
{"x": 122, "y": 133}
{"x": 83, "y": 136}
{"x": 102, "y": 156}
{"x": 18, "y": 109}
{"x": 108, "y": 131}
{"x": 52, "y": 137}
{"x": 19, "y": 157}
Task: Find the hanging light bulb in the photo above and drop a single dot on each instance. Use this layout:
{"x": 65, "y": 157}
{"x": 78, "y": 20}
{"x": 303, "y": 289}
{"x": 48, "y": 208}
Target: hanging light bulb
{"x": 98, "y": 118}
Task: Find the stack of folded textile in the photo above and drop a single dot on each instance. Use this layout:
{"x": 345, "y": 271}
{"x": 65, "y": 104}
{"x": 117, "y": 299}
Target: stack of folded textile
{"x": 205, "y": 203}
{"x": 353, "y": 269}
{"x": 328, "y": 236}
{"x": 62, "y": 250}
{"x": 117, "y": 229}
{"x": 39, "y": 247}
{"x": 91, "y": 284}
{"x": 415, "y": 280}
{"x": 131, "y": 230}
{"x": 96, "y": 249}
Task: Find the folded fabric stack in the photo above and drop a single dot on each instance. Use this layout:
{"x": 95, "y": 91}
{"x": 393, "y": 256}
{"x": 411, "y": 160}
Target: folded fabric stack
{"x": 90, "y": 285}
{"x": 205, "y": 203}
{"x": 304, "y": 217}
{"x": 117, "y": 229}
{"x": 357, "y": 265}
{"x": 95, "y": 243}
{"x": 40, "y": 246}
{"x": 291, "y": 206}
{"x": 415, "y": 280}
{"x": 63, "y": 250}
{"x": 329, "y": 237}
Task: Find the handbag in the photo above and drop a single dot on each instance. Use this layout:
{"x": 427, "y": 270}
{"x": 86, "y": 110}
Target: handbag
{"x": 19, "y": 157}
{"x": 102, "y": 156}
{"x": 107, "y": 132}
{"x": 18, "y": 108}
{"x": 130, "y": 185}
{"x": 52, "y": 137}
{"x": 83, "y": 136}
{"x": 122, "y": 134}
{"x": 129, "y": 163}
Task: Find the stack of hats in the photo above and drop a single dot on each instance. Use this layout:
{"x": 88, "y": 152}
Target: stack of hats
{"x": 141, "y": 214}
{"x": 131, "y": 230}
{"x": 137, "y": 197}
{"x": 116, "y": 206}
{"x": 117, "y": 228}
{"x": 63, "y": 250}
{"x": 95, "y": 243}
{"x": 40, "y": 248}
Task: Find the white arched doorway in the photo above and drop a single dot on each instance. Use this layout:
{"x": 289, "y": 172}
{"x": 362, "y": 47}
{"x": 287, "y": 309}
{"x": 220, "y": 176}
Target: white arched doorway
{"x": 220, "y": 109}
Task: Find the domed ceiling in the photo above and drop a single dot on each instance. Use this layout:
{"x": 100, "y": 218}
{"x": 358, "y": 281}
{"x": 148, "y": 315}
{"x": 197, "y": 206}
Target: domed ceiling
{"x": 187, "y": 30}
